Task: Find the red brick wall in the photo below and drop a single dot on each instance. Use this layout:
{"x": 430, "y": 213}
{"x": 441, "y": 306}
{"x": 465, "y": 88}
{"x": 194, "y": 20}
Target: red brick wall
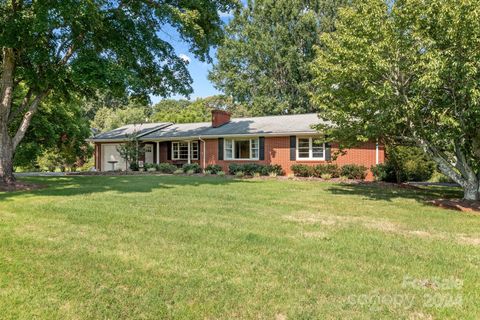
{"x": 277, "y": 151}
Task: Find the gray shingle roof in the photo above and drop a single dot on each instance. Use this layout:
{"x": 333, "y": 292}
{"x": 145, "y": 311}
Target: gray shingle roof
{"x": 242, "y": 126}
{"x": 286, "y": 124}
{"x": 123, "y": 132}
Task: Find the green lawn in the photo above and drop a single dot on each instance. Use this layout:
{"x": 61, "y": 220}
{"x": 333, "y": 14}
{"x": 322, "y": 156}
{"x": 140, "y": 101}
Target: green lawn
{"x": 153, "y": 247}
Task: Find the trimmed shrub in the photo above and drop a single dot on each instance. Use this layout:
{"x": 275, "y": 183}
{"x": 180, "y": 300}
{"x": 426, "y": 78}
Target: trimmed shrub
{"x": 254, "y": 169}
{"x": 302, "y": 170}
{"x": 213, "y": 168}
{"x": 272, "y": 170}
{"x": 354, "y": 171}
{"x": 332, "y": 169}
{"x": 380, "y": 171}
{"x": 221, "y": 173}
{"x": 166, "y": 168}
{"x": 150, "y": 167}
{"x": 178, "y": 171}
{"x": 195, "y": 167}
{"x": 239, "y": 174}
{"x": 134, "y": 166}
{"x": 326, "y": 176}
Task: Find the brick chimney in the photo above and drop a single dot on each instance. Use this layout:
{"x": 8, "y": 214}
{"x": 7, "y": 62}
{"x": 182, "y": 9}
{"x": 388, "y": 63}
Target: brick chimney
{"x": 219, "y": 118}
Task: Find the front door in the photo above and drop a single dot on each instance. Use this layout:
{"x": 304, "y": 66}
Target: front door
{"x": 149, "y": 153}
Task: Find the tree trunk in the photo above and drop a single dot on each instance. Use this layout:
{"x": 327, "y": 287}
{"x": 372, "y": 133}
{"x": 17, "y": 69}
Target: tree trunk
{"x": 471, "y": 191}
{"x": 6, "y": 159}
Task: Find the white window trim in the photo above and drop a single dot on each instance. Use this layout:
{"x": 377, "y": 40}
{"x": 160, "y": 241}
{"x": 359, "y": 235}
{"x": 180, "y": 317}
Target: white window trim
{"x": 310, "y": 150}
{"x": 191, "y": 150}
{"x": 233, "y": 149}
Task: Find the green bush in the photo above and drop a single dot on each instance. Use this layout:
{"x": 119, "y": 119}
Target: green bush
{"x": 213, "y": 168}
{"x": 178, "y": 171}
{"x": 326, "y": 176}
{"x": 354, "y": 171}
{"x": 221, "y": 173}
{"x": 150, "y": 167}
{"x": 195, "y": 167}
{"x": 252, "y": 169}
{"x": 332, "y": 169}
{"x": 239, "y": 174}
{"x": 134, "y": 166}
{"x": 166, "y": 168}
{"x": 302, "y": 170}
{"x": 272, "y": 170}
{"x": 380, "y": 171}
{"x": 404, "y": 163}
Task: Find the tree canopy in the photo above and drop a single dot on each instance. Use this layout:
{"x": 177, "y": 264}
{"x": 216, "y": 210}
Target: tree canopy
{"x": 408, "y": 72}
{"x": 63, "y": 47}
{"x": 198, "y": 110}
{"x": 264, "y": 61}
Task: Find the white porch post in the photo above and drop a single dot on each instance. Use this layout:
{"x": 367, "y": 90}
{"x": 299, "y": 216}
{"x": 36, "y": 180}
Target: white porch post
{"x": 189, "y": 151}
{"x": 158, "y": 152}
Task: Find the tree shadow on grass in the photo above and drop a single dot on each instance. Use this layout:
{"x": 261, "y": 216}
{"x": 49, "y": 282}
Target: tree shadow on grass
{"x": 380, "y": 192}
{"x": 78, "y": 185}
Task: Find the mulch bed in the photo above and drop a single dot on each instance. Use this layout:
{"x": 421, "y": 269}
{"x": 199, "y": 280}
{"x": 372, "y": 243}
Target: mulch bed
{"x": 21, "y": 186}
{"x": 457, "y": 204}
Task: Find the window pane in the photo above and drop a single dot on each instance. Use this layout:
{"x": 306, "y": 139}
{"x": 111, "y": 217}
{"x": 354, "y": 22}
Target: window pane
{"x": 317, "y": 148}
{"x": 228, "y": 149}
{"x": 242, "y": 149}
{"x": 194, "y": 150}
{"x": 254, "y": 146}
{"x": 303, "y": 154}
{"x": 303, "y": 143}
{"x": 183, "y": 150}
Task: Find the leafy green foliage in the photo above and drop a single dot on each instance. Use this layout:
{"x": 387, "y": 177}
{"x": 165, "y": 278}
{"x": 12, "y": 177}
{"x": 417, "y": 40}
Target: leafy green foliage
{"x": 407, "y": 72}
{"x": 405, "y": 164}
{"x": 166, "y": 168}
{"x": 59, "y": 128}
{"x": 251, "y": 169}
{"x": 353, "y": 171}
{"x": 108, "y": 119}
{"x": 193, "y": 167}
{"x": 199, "y": 110}
{"x": 264, "y": 60}
{"x": 213, "y": 168}
{"x": 131, "y": 151}
{"x": 350, "y": 171}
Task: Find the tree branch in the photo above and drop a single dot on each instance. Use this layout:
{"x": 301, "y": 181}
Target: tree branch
{"x": 27, "y": 118}
{"x": 22, "y": 108}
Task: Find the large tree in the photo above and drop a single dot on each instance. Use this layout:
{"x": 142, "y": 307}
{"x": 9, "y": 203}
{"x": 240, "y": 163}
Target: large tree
{"x": 198, "y": 110}
{"x": 264, "y": 61}
{"x": 59, "y": 47}
{"x": 407, "y": 71}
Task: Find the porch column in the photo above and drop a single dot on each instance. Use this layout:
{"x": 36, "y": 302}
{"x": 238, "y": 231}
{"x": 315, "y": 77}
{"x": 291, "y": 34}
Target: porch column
{"x": 158, "y": 152}
{"x": 189, "y": 151}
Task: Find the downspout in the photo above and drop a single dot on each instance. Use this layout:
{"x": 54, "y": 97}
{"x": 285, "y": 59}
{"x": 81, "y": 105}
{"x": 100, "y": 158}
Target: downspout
{"x": 203, "y": 153}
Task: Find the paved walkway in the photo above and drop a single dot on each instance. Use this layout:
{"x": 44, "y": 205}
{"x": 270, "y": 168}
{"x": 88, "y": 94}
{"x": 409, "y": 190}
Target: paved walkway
{"x": 40, "y": 174}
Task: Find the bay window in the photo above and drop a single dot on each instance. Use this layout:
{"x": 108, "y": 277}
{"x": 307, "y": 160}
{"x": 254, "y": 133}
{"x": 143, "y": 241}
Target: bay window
{"x": 238, "y": 149}
{"x": 310, "y": 148}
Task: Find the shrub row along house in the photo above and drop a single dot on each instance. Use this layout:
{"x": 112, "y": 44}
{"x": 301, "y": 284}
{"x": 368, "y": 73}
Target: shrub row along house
{"x": 281, "y": 140}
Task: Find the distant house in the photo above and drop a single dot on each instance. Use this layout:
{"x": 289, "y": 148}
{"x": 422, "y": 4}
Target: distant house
{"x": 283, "y": 140}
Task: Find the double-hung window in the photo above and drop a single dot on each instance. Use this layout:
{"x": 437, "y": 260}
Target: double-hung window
{"x": 241, "y": 149}
{"x": 310, "y": 148}
{"x": 180, "y": 150}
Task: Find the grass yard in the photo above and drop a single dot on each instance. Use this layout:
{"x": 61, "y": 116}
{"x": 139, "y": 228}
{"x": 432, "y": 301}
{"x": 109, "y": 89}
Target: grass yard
{"x": 166, "y": 247}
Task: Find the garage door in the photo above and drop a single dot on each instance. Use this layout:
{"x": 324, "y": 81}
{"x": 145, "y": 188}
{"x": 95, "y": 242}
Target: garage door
{"x": 111, "y": 158}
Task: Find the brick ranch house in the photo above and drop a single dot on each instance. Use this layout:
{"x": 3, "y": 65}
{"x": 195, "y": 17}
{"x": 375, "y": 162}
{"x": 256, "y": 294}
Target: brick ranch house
{"x": 283, "y": 140}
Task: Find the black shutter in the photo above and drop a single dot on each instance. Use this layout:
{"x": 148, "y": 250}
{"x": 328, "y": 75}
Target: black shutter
{"x": 198, "y": 149}
{"x": 169, "y": 150}
{"x": 328, "y": 151}
{"x": 293, "y": 147}
{"x": 261, "y": 148}
{"x": 220, "y": 148}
